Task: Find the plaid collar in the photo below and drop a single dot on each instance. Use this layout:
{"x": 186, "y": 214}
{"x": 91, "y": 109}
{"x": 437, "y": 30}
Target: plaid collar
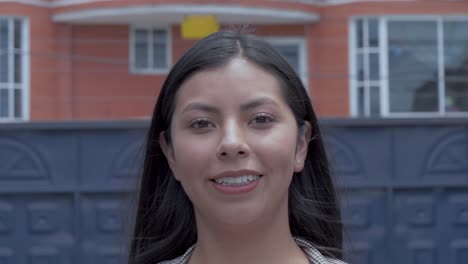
{"x": 314, "y": 255}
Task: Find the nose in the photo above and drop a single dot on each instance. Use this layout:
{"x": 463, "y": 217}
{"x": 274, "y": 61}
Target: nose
{"x": 232, "y": 143}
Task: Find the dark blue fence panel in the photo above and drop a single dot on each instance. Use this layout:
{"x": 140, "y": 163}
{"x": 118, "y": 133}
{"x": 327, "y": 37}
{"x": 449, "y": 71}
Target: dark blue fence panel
{"x": 403, "y": 185}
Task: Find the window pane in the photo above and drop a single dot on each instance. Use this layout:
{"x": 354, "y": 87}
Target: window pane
{"x": 3, "y": 103}
{"x": 159, "y": 56}
{"x": 18, "y": 103}
{"x": 373, "y": 32}
{"x": 17, "y": 68}
{"x": 359, "y": 33}
{"x": 3, "y": 67}
{"x": 141, "y": 49}
{"x": 413, "y": 66}
{"x": 414, "y": 96}
{"x": 374, "y": 101}
{"x": 3, "y": 51}
{"x": 141, "y": 36}
{"x": 456, "y": 97}
{"x": 141, "y": 56}
{"x": 374, "y": 66}
{"x": 360, "y": 67}
{"x": 3, "y": 34}
{"x": 360, "y": 100}
{"x": 291, "y": 54}
{"x": 17, "y": 38}
{"x": 160, "y": 49}
{"x": 456, "y": 65}
{"x": 160, "y": 36}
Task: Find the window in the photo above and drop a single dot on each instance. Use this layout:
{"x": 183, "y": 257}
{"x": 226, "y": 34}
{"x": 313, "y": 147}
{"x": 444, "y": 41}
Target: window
{"x": 13, "y": 76}
{"x": 150, "y": 50}
{"x": 402, "y": 67}
{"x": 293, "y": 50}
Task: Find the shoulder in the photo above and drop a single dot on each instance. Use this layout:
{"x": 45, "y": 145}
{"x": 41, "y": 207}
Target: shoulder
{"x": 334, "y": 261}
{"x": 178, "y": 260}
{"x": 314, "y": 255}
{"x": 181, "y": 259}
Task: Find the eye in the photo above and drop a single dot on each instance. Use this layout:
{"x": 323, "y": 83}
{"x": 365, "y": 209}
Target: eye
{"x": 201, "y": 123}
{"x": 263, "y": 118}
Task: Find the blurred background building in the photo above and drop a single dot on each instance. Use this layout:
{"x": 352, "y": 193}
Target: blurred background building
{"x": 389, "y": 79}
{"x": 65, "y": 60}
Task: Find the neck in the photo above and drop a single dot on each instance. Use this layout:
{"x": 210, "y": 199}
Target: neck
{"x": 268, "y": 240}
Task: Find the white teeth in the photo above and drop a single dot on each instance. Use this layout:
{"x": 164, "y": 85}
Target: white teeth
{"x": 237, "y": 180}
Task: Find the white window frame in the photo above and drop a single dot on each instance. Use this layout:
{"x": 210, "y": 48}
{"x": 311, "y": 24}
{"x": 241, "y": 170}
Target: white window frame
{"x": 367, "y": 84}
{"x": 301, "y": 42}
{"x": 384, "y": 67}
{"x": 150, "y": 70}
{"x": 24, "y": 86}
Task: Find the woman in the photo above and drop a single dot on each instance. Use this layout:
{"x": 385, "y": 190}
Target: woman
{"x": 235, "y": 170}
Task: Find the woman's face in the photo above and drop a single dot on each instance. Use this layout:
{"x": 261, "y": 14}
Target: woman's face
{"x": 235, "y": 144}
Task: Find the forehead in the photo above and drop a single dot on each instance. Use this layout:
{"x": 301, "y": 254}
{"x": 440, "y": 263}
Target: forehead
{"x": 237, "y": 81}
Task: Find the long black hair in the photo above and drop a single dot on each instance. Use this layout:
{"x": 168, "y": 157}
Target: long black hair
{"x": 165, "y": 222}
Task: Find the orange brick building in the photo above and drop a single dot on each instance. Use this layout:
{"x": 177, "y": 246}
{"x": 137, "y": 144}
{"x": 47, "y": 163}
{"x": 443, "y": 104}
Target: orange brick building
{"x": 84, "y": 59}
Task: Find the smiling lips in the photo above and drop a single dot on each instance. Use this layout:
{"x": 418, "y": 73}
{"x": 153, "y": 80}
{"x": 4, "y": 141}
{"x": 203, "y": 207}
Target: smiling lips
{"x": 236, "y": 182}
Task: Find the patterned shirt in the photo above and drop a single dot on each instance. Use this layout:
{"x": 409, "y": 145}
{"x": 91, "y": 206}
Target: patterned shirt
{"x": 312, "y": 253}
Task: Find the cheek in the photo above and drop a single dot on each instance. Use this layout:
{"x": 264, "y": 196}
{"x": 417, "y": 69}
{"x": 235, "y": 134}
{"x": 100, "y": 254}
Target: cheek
{"x": 277, "y": 149}
{"x": 192, "y": 156}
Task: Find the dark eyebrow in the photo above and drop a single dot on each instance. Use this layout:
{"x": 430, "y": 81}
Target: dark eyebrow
{"x": 257, "y": 102}
{"x": 244, "y": 107}
{"x": 202, "y": 107}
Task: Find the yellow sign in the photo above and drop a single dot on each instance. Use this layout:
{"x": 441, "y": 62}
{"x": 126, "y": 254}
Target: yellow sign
{"x": 199, "y": 26}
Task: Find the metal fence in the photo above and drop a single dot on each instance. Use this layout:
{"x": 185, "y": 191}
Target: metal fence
{"x": 403, "y": 185}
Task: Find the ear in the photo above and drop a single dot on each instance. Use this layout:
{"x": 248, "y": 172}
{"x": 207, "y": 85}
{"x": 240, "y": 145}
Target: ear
{"x": 302, "y": 146}
{"x": 168, "y": 151}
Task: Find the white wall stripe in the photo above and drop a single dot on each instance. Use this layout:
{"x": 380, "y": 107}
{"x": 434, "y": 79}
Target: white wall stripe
{"x": 41, "y": 3}
{"x": 188, "y": 9}
{"x": 62, "y": 3}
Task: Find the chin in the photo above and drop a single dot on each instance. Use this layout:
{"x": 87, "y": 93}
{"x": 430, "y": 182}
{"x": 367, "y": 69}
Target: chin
{"x": 240, "y": 215}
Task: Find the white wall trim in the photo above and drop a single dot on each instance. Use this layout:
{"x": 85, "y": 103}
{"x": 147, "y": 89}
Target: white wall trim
{"x": 341, "y": 2}
{"x": 344, "y": 2}
{"x": 308, "y": 2}
{"x": 11, "y": 69}
{"x": 353, "y": 107}
{"x": 26, "y": 70}
{"x": 384, "y": 68}
{"x": 440, "y": 66}
{"x": 273, "y": 13}
{"x": 48, "y": 4}
{"x": 62, "y": 3}
{"x": 41, "y": 3}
